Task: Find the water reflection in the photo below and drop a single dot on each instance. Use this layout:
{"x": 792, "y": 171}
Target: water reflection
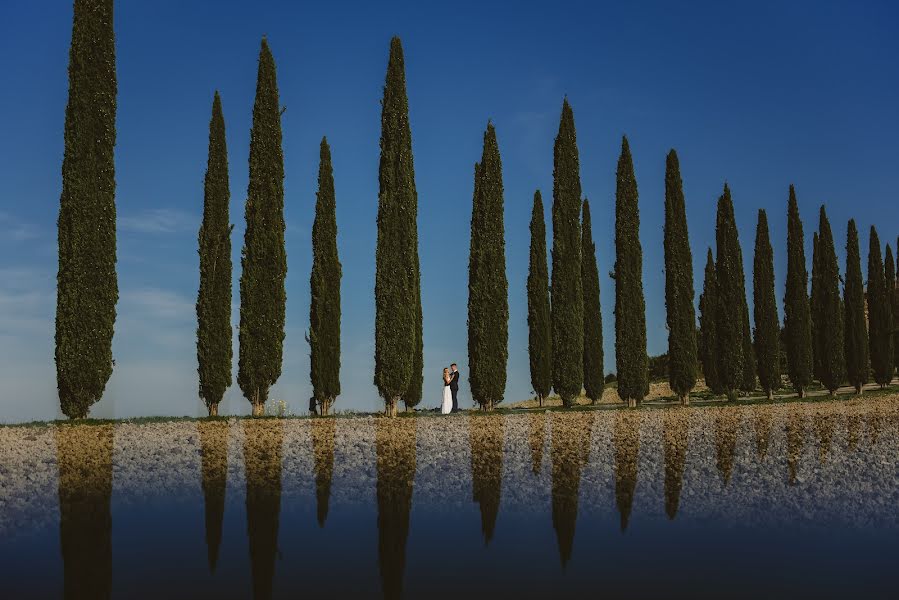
{"x": 824, "y": 426}
{"x": 794, "y": 441}
{"x": 262, "y": 445}
{"x": 761, "y": 420}
{"x": 626, "y": 438}
{"x": 853, "y": 431}
{"x": 727, "y": 423}
{"x": 323, "y": 451}
{"x": 570, "y": 450}
{"x": 395, "y": 448}
{"x": 214, "y": 459}
{"x": 486, "y": 438}
{"x": 677, "y": 428}
{"x": 84, "y": 456}
{"x": 536, "y": 439}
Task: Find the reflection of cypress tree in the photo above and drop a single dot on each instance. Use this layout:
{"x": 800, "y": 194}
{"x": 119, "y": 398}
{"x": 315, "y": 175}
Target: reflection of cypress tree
{"x": 762, "y": 423}
{"x": 486, "y": 437}
{"x": 794, "y": 441}
{"x": 726, "y": 425}
{"x": 824, "y": 426}
{"x": 395, "y": 447}
{"x": 262, "y": 458}
{"x": 214, "y": 457}
{"x": 677, "y": 427}
{"x": 323, "y": 452}
{"x": 536, "y": 437}
{"x": 569, "y": 450}
{"x": 84, "y": 455}
{"x": 627, "y": 449}
{"x": 853, "y": 429}
{"x": 873, "y": 422}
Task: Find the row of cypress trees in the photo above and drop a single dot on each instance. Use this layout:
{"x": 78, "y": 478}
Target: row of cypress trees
{"x": 825, "y": 336}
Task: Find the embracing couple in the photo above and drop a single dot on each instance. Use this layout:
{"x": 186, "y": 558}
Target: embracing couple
{"x": 450, "y": 390}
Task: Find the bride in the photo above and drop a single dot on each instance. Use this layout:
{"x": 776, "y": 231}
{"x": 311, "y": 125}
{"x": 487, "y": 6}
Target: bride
{"x": 447, "y": 406}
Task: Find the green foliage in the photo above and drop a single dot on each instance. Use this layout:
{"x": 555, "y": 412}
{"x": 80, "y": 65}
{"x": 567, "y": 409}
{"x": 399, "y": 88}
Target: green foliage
{"x": 797, "y": 317}
{"x": 324, "y": 287}
{"x": 828, "y": 315}
{"x": 894, "y": 306}
{"x": 264, "y": 258}
{"x": 880, "y": 322}
{"x": 567, "y": 292}
{"x": 767, "y": 328}
{"x": 214, "y": 352}
{"x": 681, "y": 317}
{"x": 708, "y": 332}
{"x": 658, "y": 367}
{"x": 747, "y": 381}
{"x": 87, "y": 287}
{"x": 397, "y": 295}
{"x": 488, "y": 290}
{"x": 631, "y": 361}
{"x": 593, "y": 351}
{"x": 855, "y": 334}
{"x": 539, "y": 324}
{"x": 731, "y": 296}
{"x": 814, "y": 310}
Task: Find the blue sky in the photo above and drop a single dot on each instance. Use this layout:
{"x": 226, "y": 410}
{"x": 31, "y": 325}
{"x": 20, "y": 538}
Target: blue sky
{"x": 760, "y": 94}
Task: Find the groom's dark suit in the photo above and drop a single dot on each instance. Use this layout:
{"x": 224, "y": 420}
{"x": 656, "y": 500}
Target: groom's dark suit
{"x": 454, "y": 388}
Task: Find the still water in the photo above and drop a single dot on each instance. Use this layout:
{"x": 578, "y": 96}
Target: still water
{"x": 779, "y": 501}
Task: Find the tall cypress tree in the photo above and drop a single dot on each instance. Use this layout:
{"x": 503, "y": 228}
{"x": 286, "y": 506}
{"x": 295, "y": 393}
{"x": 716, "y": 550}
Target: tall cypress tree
{"x": 397, "y": 295}
{"x": 594, "y": 381}
{"x": 681, "y": 317}
{"x": 324, "y": 287}
{"x": 889, "y": 272}
{"x": 731, "y": 294}
{"x": 814, "y": 311}
{"x": 828, "y": 312}
{"x": 708, "y": 332}
{"x": 488, "y": 289}
{"x": 631, "y": 360}
{"x": 880, "y": 326}
{"x": 539, "y": 324}
{"x": 747, "y": 381}
{"x": 856, "y": 333}
{"x": 797, "y": 319}
{"x": 87, "y": 287}
{"x": 567, "y": 291}
{"x": 894, "y": 307}
{"x": 214, "y": 351}
{"x": 264, "y": 257}
{"x": 767, "y": 328}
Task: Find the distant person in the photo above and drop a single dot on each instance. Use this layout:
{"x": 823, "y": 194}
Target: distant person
{"x": 446, "y": 407}
{"x": 454, "y": 386}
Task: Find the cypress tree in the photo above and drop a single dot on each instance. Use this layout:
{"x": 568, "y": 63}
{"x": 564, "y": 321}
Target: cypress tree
{"x": 539, "y": 325}
{"x": 708, "y": 333}
{"x": 730, "y": 294}
{"x": 324, "y": 286}
{"x": 767, "y": 328}
{"x": 594, "y": 381}
{"x": 889, "y": 271}
{"x": 814, "y": 311}
{"x": 264, "y": 257}
{"x": 880, "y": 327}
{"x": 87, "y": 287}
{"x": 214, "y": 351}
{"x": 397, "y": 294}
{"x": 828, "y": 313}
{"x": 856, "y": 333}
{"x": 894, "y": 305}
{"x": 488, "y": 300}
{"x": 567, "y": 291}
{"x": 631, "y": 360}
{"x": 681, "y": 317}
{"x": 747, "y": 381}
{"x": 797, "y": 318}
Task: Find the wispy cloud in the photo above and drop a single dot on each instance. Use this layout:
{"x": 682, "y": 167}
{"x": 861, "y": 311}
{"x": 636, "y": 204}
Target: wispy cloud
{"x": 155, "y": 303}
{"x": 13, "y": 229}
{"x": 159, "y": 221}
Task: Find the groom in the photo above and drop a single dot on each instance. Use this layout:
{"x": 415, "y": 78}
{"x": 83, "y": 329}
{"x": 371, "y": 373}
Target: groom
{"x": 454, "y": 386}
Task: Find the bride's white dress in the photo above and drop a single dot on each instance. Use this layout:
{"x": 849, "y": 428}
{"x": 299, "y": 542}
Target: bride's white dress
{"x": 447, "y": 405}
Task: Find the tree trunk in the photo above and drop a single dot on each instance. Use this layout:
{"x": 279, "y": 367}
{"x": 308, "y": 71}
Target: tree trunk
{"x": 390, "y": 408}
{"x": 685, "y": 400}
{"x": 770, "y": 395}
{"x": 258, "y": 409}
{"x": 213, "y": 409}
{"x": 632, "y": 403}
{"x": 800, "y": 393}
{"x": 858, "y": 389}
